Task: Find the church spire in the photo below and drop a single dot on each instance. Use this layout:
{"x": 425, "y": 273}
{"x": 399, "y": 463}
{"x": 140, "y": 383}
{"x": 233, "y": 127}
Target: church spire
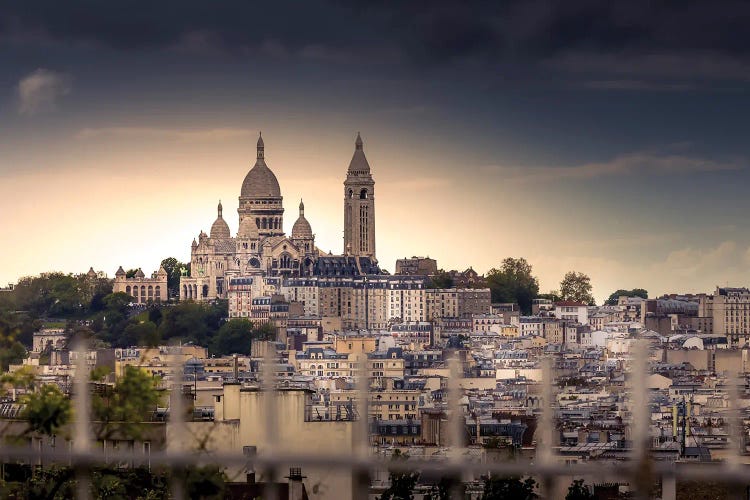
{"x": 359, "y": 165}
{"x": 301, "y": 208}
{"x": 260, "y": 145}
{"x": 220, "y": 209}
{"x": 359, "y": 205}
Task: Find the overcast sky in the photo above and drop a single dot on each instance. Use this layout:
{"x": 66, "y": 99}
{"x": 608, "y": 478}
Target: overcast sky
{"x": 603, "y": 137}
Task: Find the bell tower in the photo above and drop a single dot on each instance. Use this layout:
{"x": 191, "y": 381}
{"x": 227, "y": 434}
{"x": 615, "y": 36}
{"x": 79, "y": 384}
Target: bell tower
{"x": 359, "y": 206}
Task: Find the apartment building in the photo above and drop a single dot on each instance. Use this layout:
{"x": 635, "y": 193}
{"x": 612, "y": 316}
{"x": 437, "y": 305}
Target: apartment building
{"x": 730, "y": 308}
{"x": 569, "y": 310}
{"x": 441, "y": 303}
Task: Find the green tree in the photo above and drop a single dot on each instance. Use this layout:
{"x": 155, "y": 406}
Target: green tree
{"x": 193, "y": 321}
{"x": 114, "y": 317}
{"x": 635, "y": 292}
{"x": 139, "y": 333}
{"x": 47, "y": 410}
{"x": 174, "y": 268}
{"x": 7, "y": 302}
{"x": 402, "y": 483}
{"x": 236, "y": 336}
{"x": 207, "y": 482}
{"x": 576, "y": 286}
{"x": 12, "y": 351}
{"x": 23, "y": 378}
{"x": 509, "y": 488}
{"x": 52, "y": 295}
{"x": 124, "y": 408}
{"x": 59, "y": 295}
{"x": 579, "y": 491}
{"x": 513, "y": 282}
{"x": 444, "y": 489}
{"x": 101, "y": 288}
{"x": 440, "y": 280}
{"x": 58, "y": 482}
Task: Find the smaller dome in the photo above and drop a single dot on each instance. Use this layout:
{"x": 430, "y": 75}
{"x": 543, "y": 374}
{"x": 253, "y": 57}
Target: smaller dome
{"x": 139, "y": 273}
{"x": 220, "y": 228}
{"x": 301, "y": 229}
{"x": 248, "y": 228}
{"x": 120, "y": 271}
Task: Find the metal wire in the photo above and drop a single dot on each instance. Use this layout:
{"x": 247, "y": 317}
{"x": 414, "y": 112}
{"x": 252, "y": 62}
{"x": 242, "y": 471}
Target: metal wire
{"x": 360, "y": 461}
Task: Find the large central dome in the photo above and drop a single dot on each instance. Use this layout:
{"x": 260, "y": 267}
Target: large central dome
{"x": 260, "y": 182}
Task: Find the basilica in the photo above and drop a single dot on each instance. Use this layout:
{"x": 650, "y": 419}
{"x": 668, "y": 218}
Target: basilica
{"x": 261, "y": 248}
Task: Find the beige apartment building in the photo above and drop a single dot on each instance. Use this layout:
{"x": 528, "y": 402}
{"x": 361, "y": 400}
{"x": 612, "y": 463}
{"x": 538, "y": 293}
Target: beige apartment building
{"x": 729, "y": 310}
{"x": 406, "y": 304}
{"x": 354, "y": 344}
{"x": 441, "y": 303}
{"x": 325, "y": 362}
{"x": 157, "y": 361}
{"x": 388, "y": 403}
{"x": 554, "y": 332}
{"x": 375, "y": 302}
{"x": 242, "y": 416}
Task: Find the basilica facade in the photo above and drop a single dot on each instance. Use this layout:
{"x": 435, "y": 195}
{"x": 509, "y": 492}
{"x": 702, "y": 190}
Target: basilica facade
{"x": 261, "y": 248}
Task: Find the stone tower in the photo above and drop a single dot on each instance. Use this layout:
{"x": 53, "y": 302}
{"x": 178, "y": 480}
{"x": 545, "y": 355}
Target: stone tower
{"x": 359, "y": 206}
{"x": 260, "y": 197}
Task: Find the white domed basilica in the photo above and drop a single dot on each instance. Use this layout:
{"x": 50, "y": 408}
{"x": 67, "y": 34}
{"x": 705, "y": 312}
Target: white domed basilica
{"x": 262, "y": 249}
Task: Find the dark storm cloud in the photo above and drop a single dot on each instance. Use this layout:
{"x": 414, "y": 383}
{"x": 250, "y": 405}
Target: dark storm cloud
{"x": 141, "y": 24}
{"x": 423, "y": 32}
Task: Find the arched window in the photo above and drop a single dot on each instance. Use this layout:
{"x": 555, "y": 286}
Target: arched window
{"x": 205, "y": 290}
{"x": 285, "y": 261}
{"x": 157, "y": 293}
{"x": 150, "y": 292}
{"x": 143, "y": 293}
{"x": 351, "y": 194}
{"x": 184, "y": 292}
{"x": 127, "y": 289}
{"x": 363, "y": 194}
{"x": 257, "y": 222}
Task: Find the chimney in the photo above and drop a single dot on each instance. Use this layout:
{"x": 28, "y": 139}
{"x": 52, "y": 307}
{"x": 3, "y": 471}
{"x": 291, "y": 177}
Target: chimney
{"x": 296, "y": 486}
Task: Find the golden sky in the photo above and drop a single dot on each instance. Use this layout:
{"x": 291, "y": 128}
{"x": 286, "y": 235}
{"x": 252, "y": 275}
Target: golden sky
{"x": 131, "y": 196}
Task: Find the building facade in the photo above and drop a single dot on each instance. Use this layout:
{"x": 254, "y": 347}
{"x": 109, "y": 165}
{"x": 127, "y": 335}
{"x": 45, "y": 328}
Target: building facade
{"x": 261, "y": 248}
{"x": 730, "y": 310}
{"x": 142, "y": 289}
{"x": 421, "y": 266}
